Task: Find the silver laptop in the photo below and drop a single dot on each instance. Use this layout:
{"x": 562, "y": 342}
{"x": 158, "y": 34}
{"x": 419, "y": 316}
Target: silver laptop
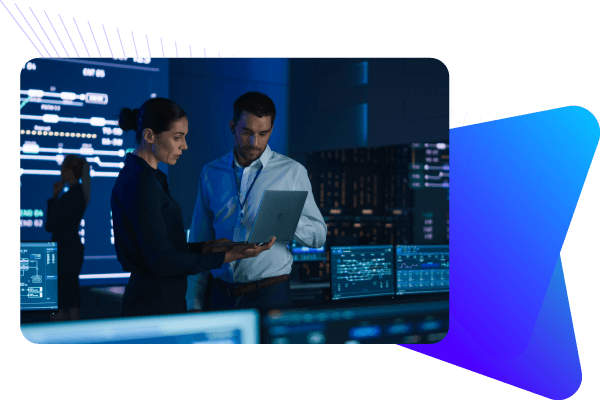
{"x": 278, "y": 215}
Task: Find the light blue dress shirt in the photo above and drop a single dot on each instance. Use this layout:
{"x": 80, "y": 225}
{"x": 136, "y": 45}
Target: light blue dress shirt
{"x": 217, "y": 215}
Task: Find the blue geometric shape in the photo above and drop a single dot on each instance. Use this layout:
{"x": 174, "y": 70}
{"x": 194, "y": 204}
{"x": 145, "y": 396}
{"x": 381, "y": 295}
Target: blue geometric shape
{"x": 516, "y": 183}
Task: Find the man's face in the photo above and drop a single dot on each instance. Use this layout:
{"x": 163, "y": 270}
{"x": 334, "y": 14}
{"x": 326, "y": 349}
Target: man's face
{"x": 251, "y": 136}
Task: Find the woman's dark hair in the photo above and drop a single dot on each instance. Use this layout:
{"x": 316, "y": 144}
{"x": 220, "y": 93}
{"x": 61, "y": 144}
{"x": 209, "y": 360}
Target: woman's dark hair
{"x": 75, "y": 164}
{"x": 255, "y": 103}
{"x": 157, "y": 114}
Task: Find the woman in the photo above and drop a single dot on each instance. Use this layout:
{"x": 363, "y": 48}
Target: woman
{"x": 63, "y": 218}
{"x": 150, "y": 240}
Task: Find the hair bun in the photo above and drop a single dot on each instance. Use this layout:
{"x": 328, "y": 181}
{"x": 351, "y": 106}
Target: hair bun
{"x": 128, "y": 119}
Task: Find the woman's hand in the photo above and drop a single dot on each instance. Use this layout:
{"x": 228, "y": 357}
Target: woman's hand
{"x": 58, "y": 186}
{"x": 216, "y": 249}
{"x": 241, "y": 251}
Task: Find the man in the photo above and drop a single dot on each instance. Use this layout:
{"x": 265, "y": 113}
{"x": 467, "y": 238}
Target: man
{"x": 229, "y": 193}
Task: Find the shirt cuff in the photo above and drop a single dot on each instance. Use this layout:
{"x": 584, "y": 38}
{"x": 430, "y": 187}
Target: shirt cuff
{"x": 211, "y": 261}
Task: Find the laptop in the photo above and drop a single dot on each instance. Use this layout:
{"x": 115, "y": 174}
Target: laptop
{"x": 278, "y": 215}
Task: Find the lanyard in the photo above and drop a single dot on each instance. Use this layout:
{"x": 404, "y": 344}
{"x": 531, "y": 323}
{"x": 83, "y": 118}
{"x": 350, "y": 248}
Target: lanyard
{"x": 237, "y": 185}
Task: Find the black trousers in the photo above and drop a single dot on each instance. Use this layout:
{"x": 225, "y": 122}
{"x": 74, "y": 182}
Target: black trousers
{"x": 276, "y": 296}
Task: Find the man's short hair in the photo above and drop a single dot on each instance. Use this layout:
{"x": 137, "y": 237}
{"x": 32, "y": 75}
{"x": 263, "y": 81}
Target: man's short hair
{"x": 255, "y": 103}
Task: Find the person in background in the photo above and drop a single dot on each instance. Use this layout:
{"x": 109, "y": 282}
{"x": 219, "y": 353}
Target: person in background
{"x": 229, "y": 194}
{"x": 150, "y": 240}
{"x": 70, "y": 198}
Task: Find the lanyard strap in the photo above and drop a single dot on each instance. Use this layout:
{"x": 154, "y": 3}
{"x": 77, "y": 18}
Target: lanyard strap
{"x": 237, "y": 185}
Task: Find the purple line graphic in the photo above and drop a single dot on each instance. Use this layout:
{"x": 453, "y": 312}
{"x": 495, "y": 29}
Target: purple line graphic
{"x": 161, "y": 46}
{"x": 190, "y": 50}
{"x": 81, "y": 36}
{"x": 176, "y": 53}
{"x": 56, "y": 33}
{"x": 33, "y": 31}
{"x": 134, "y": 46}
{"x": 105, "y": 35}
{"x": 63, "y": 22}
{"x": 149, "y": 53}
{"x": 94, "y": 39}
{"x": 122, "y": 48}
{"x": 38, "y": 21}
{"x": 204, "y": 52}
{"x": 465, "y": 120}
{"x": 22, "y": 29}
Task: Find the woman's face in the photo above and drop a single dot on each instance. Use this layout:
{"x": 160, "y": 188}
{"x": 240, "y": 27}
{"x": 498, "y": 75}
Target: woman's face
{"x": 169, "y": 145}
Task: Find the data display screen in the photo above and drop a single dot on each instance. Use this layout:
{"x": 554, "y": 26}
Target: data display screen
{"x": 38, "y": 269}
{"x": 71, "y": 106}
{"x": 222, "y": 327}
{"x": 393, "y": 323}
{"x": 422, "y": 268}
{"x": 362, "y": 271}
{"x": 303, "y": 253}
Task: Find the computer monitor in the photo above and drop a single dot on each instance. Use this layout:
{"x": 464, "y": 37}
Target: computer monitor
{"x": 422, "y": 268}
{"x": 207, "y": 327}
{"x": 302, "y": 253}
{"x": 392, "y": 323}
{"x": 38, "y": 269}
{"x": 362, "y": 271}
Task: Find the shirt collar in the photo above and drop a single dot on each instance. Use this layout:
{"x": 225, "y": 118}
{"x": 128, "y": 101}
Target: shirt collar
{"x": 263, "y": 159}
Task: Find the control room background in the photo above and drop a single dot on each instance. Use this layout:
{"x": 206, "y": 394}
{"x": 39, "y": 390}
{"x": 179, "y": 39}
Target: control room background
{"x": 328, "y": 110}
